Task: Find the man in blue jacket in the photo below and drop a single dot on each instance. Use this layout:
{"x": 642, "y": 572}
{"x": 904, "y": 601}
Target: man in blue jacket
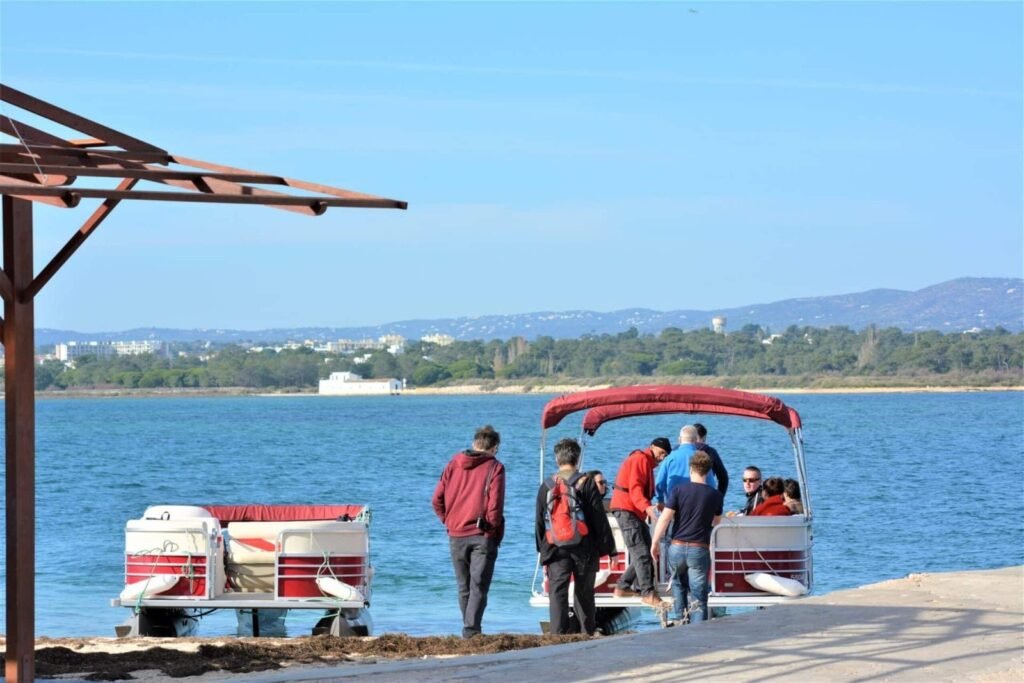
{"x": 676, "y": 468}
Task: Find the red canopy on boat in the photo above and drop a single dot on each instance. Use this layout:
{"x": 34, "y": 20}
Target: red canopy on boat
{"x": 283, "y": 513}
{"x": 619, "y": 402}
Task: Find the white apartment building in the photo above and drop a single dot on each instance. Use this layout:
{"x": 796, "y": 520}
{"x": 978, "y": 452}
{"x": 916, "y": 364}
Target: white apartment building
{"x": 439, "y": 339}
{"x": 392, "y": 343}
{"x": 72, "y": 350}
{"x": 137, "y": 348}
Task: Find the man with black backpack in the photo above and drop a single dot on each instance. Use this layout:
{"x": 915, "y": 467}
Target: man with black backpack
{"x": 470, "y": 501}
{"x": 572, "y": 533}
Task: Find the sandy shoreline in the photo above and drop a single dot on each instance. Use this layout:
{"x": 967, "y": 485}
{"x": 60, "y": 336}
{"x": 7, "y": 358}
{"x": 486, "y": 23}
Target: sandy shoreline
{"x": 924, "y": 627}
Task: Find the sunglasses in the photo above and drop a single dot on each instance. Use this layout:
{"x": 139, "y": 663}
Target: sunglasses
{"x": 750, "y": 481}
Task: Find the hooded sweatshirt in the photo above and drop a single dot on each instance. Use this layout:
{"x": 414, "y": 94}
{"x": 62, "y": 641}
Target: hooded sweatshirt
{"x": 772, "y": 507}
{"x": 459, "y": 498}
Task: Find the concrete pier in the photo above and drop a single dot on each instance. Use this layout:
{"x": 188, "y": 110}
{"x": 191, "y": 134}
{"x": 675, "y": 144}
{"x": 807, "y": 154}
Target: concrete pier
{"x": 962, "y": 626}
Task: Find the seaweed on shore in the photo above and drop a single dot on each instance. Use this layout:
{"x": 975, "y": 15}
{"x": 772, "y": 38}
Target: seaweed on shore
{"x": 244, "y": 655}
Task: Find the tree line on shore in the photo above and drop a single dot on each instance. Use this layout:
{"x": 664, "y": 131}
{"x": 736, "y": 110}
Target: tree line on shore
{"x": 991, "y": 356}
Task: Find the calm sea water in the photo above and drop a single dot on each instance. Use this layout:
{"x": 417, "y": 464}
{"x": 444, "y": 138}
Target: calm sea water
{"x": 900, "y": 483}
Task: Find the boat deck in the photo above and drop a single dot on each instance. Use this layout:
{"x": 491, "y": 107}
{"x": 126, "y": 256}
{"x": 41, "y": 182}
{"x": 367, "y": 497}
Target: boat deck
{"x": 752, "y": 600}
{"x": 241, "y": 601}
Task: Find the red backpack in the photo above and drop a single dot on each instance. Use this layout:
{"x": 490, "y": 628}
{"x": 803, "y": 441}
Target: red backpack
{"x": 563, "y": 518}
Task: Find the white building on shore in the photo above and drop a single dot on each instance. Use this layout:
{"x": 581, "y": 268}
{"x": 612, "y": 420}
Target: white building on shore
{"x": 105, "y": 349}
{"x": 351, "y": 384}
{"x": 439, "y": 339}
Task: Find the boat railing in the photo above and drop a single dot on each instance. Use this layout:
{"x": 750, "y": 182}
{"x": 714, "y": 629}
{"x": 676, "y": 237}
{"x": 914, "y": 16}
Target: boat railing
{"x": 286, "y": 558}
{"x": 189, "y": 549}
{"x": 778, "y": 546}
{"x": 744, "y": 545}
{"x": 306, "y": 556}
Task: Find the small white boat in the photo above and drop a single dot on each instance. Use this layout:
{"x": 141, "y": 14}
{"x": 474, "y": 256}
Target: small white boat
{"x": 182, "y": 561}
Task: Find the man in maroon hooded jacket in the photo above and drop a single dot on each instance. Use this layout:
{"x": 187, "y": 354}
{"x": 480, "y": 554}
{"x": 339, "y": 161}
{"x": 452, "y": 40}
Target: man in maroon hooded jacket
{"x": 470, "y": 501}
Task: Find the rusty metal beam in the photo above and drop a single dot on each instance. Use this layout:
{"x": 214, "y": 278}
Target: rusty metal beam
{"x": 87, "y": 142}
{"x": 28, "y": 134}
{"x": 57, "y": 196}
{"x": 15, "y": 152}
{"x": 312, "y": 206}
{"x": 303, "y": 204}
{"x": 72, "y": 120}
{"x": 138, "y": 171}
{"x": 338, "y": 197}
{"x": 225, "y": 182}
{"x": 72, "y": 245}
{"x": 19, "y": 409}
{"x": 290, "y": 182}
{"x": 42, "y": 179}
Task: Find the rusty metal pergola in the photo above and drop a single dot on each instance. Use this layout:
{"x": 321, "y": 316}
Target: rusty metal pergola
{"x": 40, "y": 166}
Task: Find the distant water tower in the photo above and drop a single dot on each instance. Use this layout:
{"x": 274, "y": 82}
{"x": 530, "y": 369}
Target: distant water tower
{"x": 718, "y": 324}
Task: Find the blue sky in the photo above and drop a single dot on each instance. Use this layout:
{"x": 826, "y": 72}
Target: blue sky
{"x": 554, "y": 156}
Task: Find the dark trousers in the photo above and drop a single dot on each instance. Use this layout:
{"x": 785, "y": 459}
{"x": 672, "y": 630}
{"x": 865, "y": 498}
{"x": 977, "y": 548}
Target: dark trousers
{"x": 637, "y": 536}
{"x": 568, "y": 563}
{"x": 473, "y": 559}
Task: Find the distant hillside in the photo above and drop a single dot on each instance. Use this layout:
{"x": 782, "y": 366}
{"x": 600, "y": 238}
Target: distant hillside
{"x": 953, "y": 306}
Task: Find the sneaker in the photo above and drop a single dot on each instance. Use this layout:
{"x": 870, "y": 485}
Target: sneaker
{"x": 652, "y": 600}
{"x": 624, "y": 593}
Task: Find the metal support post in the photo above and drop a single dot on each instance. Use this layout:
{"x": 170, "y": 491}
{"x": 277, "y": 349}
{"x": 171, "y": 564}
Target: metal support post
{"x": 19, "y": 408}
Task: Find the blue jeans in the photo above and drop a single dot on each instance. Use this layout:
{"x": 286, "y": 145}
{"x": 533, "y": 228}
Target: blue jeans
{"x": 690, "y": 565}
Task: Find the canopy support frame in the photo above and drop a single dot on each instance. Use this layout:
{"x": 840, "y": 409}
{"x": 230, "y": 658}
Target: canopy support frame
{"x": 25, "y": 179}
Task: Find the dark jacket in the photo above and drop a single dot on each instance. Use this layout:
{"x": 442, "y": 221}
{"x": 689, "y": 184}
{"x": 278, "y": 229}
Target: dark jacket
{"x": 459, "y": 498}
{"x": 717, "y": 466}
{"x": 599, "y": 539}
{"x": 753, "y": 500}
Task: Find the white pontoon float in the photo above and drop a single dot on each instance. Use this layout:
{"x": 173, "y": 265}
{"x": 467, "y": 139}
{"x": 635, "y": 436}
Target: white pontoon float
{"x": 183, "y": 561}
{"x": 772, "y": 552}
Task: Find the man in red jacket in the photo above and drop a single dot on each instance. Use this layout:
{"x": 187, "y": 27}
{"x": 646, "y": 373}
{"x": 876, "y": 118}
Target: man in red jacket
{"x": 632, "y": 507}
{"x": 470, "y": 501}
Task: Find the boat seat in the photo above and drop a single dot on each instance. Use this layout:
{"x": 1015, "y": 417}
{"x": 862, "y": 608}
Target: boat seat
{"x": 741, "y": 546}
{"x": 253, "y": 547}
